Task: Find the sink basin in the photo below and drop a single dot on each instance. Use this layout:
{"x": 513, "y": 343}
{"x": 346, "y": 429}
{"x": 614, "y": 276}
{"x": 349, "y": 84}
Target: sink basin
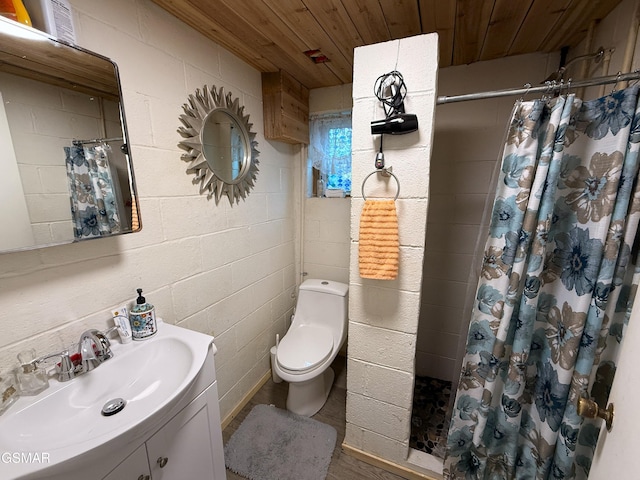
{"x": 66, "y": 420}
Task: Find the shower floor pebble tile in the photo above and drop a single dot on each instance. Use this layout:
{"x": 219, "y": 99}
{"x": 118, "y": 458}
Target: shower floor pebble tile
{"x": 429, "y": 420}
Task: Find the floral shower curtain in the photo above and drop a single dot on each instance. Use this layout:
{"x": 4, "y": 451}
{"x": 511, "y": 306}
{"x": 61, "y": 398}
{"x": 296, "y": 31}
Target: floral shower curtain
{"x": 555, "y": 291}
{"x": 94, "y": 208}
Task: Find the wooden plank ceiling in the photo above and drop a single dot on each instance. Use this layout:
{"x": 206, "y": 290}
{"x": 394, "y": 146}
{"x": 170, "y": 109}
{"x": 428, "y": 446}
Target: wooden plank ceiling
{"x": 272, "y": 35}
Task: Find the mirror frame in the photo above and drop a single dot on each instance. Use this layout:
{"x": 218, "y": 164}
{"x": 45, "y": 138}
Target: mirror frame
{"x": 199, "y": 108}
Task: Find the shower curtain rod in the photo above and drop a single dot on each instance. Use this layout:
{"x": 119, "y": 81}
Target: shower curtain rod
{"x": 552, "y": 87}
{"x": 97, "y": 140}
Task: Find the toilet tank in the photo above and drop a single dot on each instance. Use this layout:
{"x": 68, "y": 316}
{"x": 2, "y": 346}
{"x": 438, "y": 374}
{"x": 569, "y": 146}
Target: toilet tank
{"x": 323, "y": 302}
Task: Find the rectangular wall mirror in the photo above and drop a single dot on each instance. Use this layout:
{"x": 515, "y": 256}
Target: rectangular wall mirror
{"x": 65, "y": 168}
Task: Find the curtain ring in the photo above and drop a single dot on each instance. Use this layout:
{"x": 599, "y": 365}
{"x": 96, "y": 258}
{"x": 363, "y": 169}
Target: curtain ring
{"x": 615, "y": 85}
{"x": 550, "y": 85}
{"x": 390, "y": 173}
{"x": 528, "y": 87}
{"x": 562, "y": 87}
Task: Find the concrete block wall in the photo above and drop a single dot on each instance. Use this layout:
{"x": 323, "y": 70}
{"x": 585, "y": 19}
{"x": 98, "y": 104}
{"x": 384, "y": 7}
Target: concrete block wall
{"x": 383, "y": 315}
{"x": 327, "y": 238}
{"x": 224, "y": 270}
{"x": 326, "y": 220}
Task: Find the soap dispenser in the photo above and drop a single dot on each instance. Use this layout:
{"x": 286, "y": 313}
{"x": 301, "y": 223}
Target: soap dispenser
{"x": 142, "y": 318}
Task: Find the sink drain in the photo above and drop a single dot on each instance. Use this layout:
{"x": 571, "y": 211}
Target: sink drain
{"x": 113, "y": 406}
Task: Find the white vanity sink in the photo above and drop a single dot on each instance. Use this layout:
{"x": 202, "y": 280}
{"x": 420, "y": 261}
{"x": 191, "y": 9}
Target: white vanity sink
{"x": 65, "y": 422}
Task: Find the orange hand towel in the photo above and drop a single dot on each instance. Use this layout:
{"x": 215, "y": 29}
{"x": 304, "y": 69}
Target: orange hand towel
{"x": 378, "y": 250}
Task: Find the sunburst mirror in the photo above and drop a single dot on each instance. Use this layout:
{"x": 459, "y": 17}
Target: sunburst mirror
{"x": 220, "y": 146}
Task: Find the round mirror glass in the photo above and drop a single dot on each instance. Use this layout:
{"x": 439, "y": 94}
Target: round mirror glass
{"x": 224, "y": 145}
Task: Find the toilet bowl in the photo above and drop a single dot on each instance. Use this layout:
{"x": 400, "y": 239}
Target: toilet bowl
{"x": 317, "y": 332}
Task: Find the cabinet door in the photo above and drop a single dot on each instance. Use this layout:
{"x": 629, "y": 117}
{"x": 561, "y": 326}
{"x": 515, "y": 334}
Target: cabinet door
{"x": 134, "y": 467}
{"x": 183, "y": 446}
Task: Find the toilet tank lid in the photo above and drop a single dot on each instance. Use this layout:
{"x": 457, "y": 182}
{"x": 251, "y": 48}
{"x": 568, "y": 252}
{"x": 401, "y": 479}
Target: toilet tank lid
{"x": 325, "y": 286}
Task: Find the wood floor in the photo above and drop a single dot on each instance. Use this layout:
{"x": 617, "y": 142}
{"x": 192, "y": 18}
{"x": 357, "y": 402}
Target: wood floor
{"x": 343, "y": 466}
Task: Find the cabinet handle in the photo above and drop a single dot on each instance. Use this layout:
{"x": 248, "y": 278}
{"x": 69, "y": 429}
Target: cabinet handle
{"x": 162, "y": 461}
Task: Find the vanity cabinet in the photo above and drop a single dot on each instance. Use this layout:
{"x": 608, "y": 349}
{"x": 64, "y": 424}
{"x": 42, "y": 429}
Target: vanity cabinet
{"x": 135, "y": 467}
{"x": 184, "y": 444}
{"x": 190, "y": 442}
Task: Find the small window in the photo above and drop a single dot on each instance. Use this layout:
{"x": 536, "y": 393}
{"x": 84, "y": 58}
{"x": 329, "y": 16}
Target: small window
{"x": 330, "y": 151}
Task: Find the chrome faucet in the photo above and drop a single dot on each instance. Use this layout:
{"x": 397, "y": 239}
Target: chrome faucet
{"x": 95, "y": 348}
{"x": 66, "y": 369}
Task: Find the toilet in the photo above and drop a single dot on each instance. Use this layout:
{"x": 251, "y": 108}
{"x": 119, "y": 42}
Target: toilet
{"x": 317, "y": 332}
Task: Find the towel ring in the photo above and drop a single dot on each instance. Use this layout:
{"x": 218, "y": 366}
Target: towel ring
{"x": 385, "y": 172}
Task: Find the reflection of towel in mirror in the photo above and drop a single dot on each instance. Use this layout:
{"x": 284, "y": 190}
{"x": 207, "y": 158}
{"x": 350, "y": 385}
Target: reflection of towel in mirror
{"x": 378, "y": 251}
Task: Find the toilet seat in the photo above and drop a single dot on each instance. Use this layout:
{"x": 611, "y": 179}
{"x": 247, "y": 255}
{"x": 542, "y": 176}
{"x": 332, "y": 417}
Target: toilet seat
{"x": 304, "y": 347}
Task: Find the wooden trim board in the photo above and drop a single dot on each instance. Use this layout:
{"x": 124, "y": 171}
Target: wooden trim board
{"x": 227, "y": 420}
{"x": 386, "y": 464}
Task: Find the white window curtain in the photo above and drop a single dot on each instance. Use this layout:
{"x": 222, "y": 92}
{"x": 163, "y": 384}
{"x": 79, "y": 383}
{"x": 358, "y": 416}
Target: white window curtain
{"x": 330, "y": 148}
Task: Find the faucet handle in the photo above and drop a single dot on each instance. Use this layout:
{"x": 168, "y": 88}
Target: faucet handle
{"x": 66, "y": 369}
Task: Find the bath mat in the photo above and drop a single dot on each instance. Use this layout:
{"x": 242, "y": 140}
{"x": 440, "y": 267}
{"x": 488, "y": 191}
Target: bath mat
{"x": 275, "y": 444}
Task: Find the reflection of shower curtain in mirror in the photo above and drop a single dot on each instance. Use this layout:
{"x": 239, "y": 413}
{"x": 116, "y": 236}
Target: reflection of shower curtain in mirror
{"x": 94, "y": 209}
{"x": 237, "y": 153}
